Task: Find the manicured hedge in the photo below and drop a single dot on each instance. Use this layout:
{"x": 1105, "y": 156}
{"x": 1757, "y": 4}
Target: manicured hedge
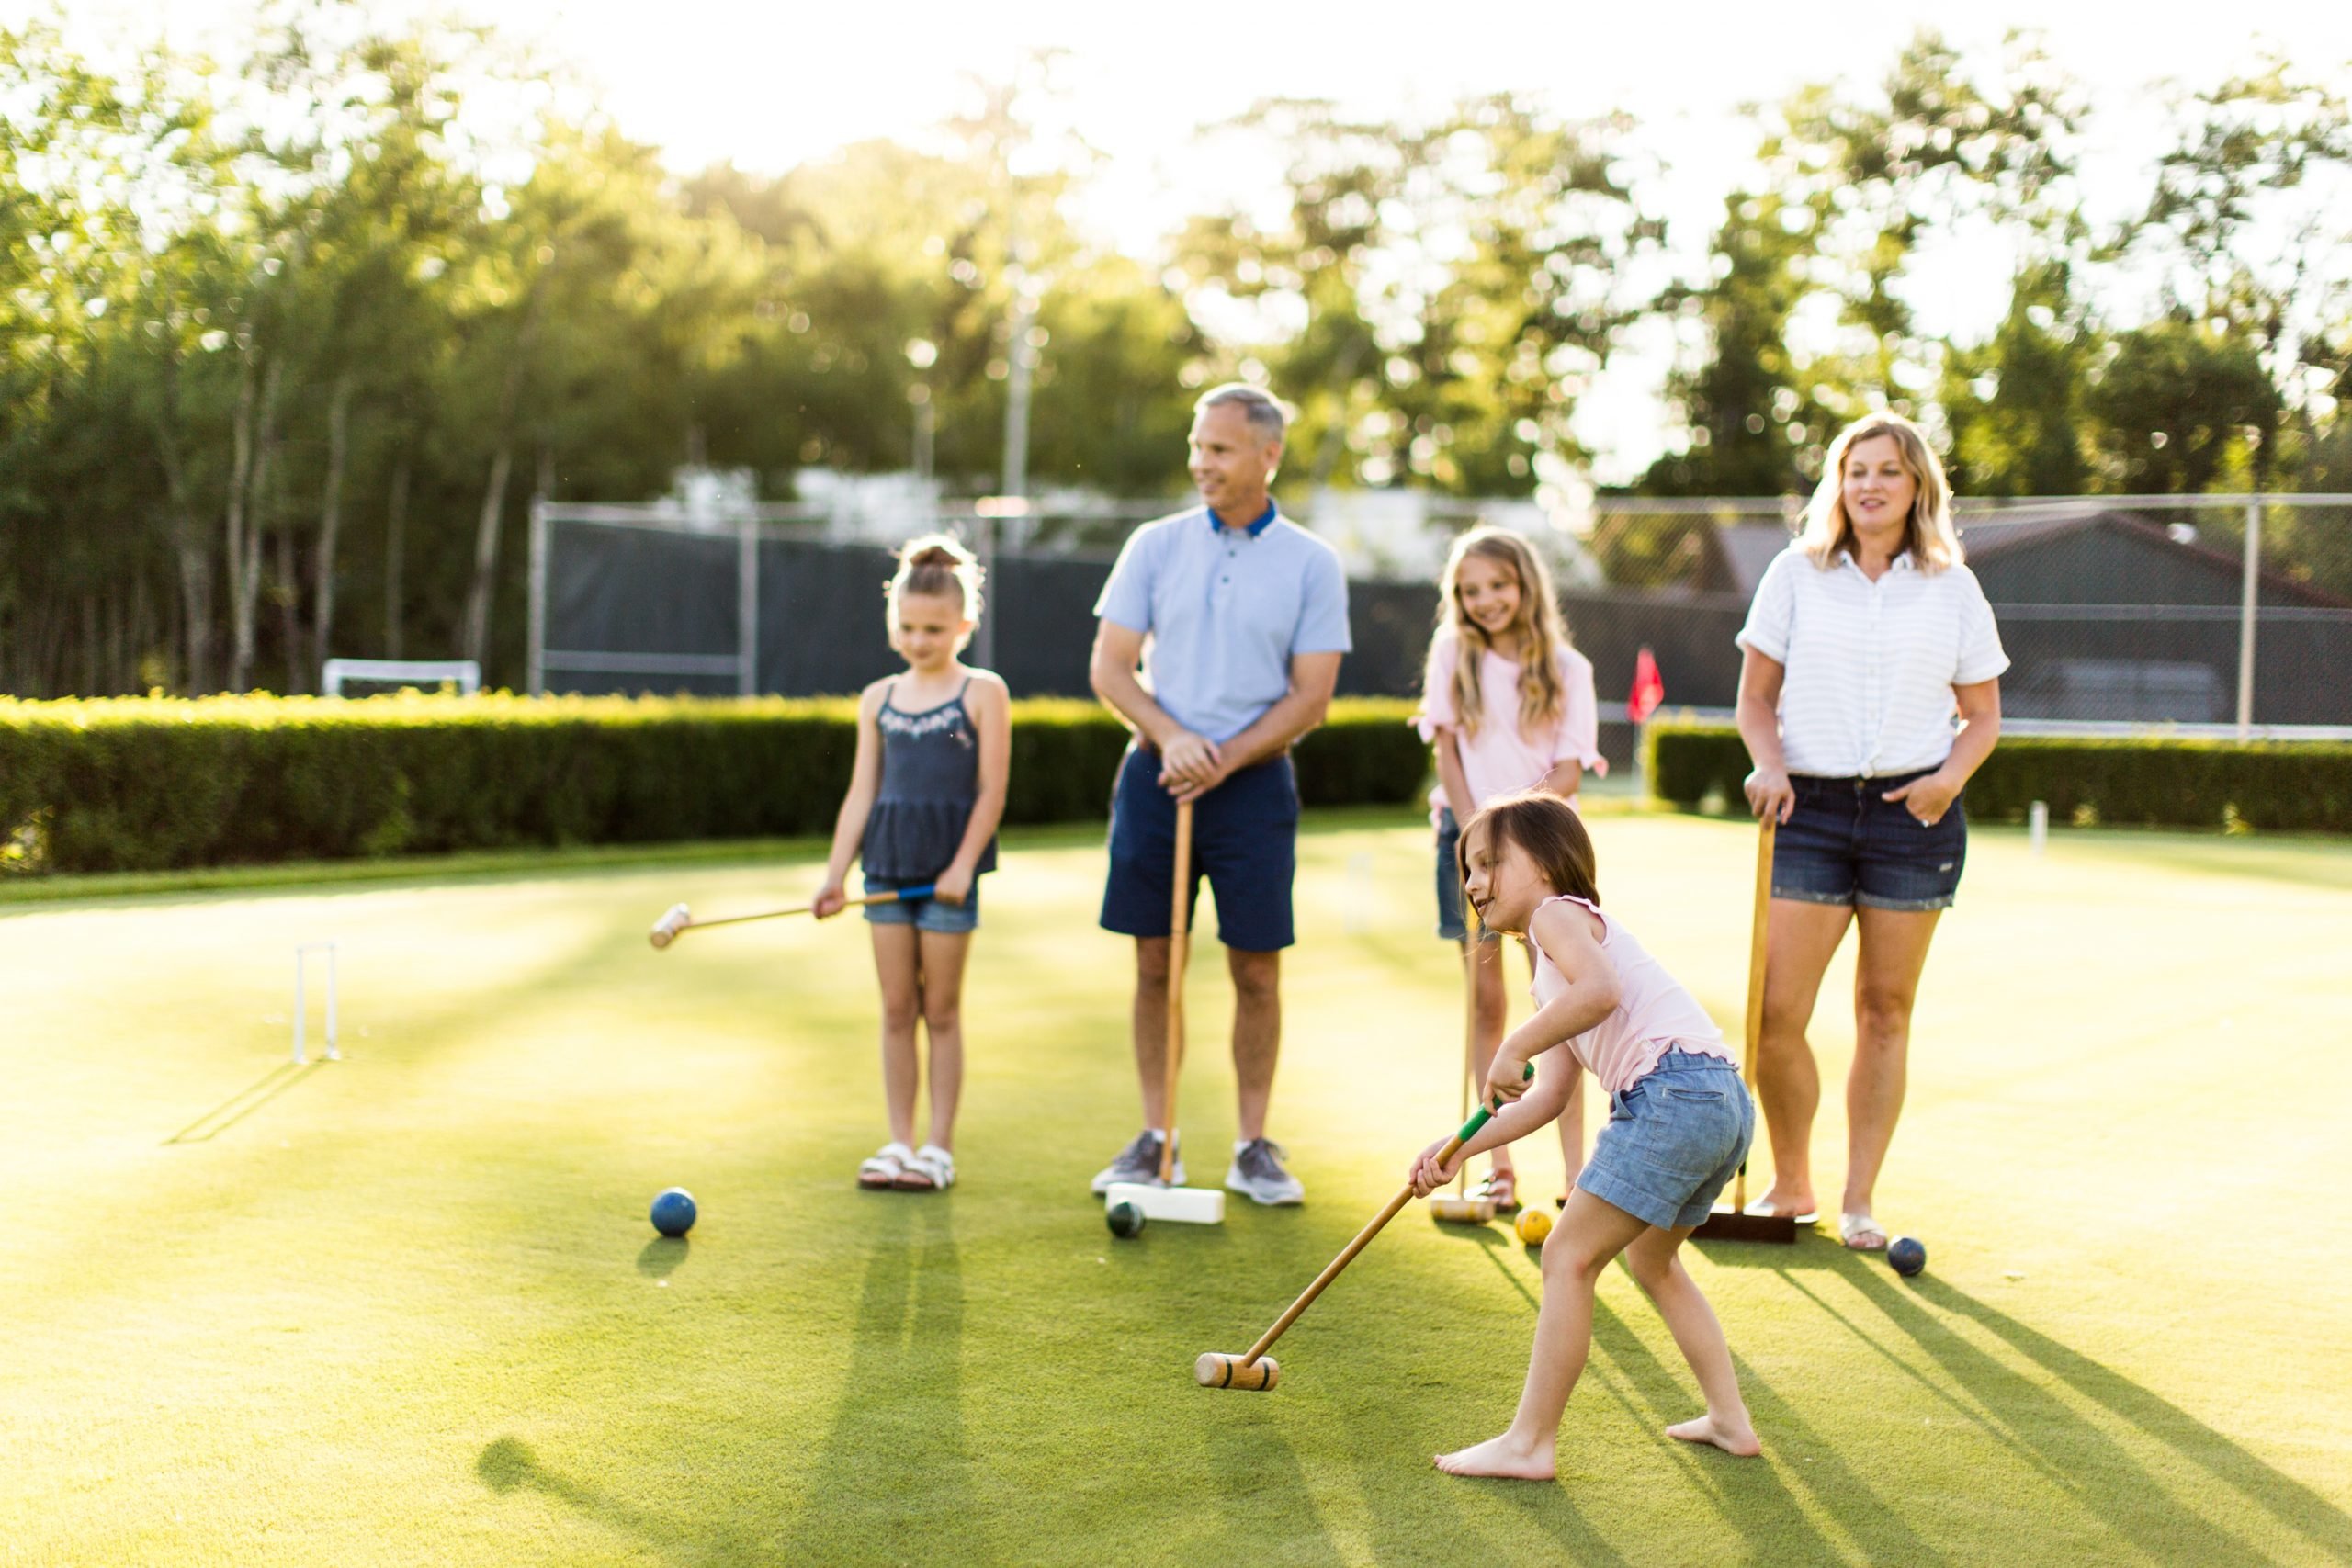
{"x": 2145, "y": 780}
{"x": 159, "y": 784}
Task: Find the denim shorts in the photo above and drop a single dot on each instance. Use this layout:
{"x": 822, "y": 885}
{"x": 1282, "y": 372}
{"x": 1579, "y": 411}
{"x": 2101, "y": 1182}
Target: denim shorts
{"x": 1673, "y": 1141}
{"x": 924, "y": 914}
{"x": 1245, "y": 841}
{"x": 1844, "y": 845}
{"x": 1450, "y": 925}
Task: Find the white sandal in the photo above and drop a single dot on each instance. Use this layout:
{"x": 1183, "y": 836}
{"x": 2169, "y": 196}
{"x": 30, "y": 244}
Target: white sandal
{"x": 928, "y": 1169}
{"x": 1851, "y": 1225}
{"x": 881, "y": 1173}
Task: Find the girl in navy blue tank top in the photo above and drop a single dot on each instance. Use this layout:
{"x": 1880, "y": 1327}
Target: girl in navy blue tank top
{"x": 924, "y": 797}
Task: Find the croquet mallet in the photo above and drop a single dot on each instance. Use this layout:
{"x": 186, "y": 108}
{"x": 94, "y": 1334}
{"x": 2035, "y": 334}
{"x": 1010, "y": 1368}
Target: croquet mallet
{"x": 677, "y": 917}
{"x": 1461, "y": 1208}
{"x": 1735, "y": 1224}
{"x": 1254, "y": 1369}
{"x": 1166, "y": 1201}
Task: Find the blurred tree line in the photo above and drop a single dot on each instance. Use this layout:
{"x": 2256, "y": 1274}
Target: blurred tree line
{"x": 289, "y": 344}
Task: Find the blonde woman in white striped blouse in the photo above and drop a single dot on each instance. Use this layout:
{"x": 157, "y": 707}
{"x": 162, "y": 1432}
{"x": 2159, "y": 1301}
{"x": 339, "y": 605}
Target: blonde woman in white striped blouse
{"x": 1867, "y": 639}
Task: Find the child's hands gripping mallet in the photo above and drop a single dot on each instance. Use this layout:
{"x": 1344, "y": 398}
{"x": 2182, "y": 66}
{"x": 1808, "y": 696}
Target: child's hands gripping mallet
{"x": 1254, "y": 1369}
{"x": 677, "y": 919}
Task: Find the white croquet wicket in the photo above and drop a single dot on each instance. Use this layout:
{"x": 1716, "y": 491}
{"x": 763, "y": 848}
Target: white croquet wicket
{"x": 302, "y": 952}
{"x": 2037, "y": 826}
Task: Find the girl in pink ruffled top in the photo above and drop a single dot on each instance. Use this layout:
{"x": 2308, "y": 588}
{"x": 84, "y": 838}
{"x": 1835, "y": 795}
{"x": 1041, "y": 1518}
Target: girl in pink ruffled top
{"x": 1507, "y": 704}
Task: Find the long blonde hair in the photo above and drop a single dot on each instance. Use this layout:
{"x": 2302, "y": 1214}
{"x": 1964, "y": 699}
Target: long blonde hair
{"x": 1543, "y": 632}
{"x": 1927, "y": 532}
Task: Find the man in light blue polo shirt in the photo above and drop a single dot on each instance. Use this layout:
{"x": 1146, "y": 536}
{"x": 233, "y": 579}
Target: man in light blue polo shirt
{"x": 1240, "y": 618}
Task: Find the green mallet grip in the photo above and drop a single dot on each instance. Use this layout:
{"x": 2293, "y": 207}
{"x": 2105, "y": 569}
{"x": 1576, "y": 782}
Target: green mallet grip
{"x": 1486, "y": 1113}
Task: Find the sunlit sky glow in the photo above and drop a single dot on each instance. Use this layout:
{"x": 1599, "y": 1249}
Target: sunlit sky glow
{"x": 768, "y": 85}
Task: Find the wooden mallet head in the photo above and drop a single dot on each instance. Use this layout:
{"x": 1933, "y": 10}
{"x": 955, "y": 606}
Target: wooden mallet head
{"x": 1465, "y": 1211}
{"x": 675, "y": 919}
{"x": 1216, "y": 1370}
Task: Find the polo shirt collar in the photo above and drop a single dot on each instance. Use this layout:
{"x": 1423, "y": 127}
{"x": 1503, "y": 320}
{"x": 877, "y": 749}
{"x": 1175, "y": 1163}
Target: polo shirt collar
{"x": 1265, "y": 519}
{"x": 1902, "y": 561}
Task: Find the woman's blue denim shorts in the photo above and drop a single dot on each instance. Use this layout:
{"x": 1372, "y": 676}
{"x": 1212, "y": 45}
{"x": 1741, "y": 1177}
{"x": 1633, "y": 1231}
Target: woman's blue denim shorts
{"x": 1450, "y": 925}
{"x": 1673, "y": 1142}
{"x": 1844, "y": 845}
{"x": 924, "y": 914}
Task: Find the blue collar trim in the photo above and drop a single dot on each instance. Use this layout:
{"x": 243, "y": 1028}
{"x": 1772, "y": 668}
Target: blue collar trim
{"x": 1265, "y": 519}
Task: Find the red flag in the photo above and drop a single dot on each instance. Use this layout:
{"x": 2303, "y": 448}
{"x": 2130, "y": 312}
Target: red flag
{"x": 1649, "y": 688}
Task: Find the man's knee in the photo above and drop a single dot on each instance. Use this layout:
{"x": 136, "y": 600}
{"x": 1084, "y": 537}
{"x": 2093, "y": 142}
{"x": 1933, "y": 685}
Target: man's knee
{"x": 1257, "y": 976}
{"x": 1151, "y": 962}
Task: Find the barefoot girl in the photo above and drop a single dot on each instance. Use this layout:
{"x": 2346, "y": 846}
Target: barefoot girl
{"x": 1679, "y": 1122}
{"x": 1507, "y": 704}
{"x": 924, "y": 797}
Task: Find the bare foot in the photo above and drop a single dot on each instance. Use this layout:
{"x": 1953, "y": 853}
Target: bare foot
{"x": 1502, "y": 1455}
{"x": 1732, "y": 1435}
{"x": 1797, "y": 1204}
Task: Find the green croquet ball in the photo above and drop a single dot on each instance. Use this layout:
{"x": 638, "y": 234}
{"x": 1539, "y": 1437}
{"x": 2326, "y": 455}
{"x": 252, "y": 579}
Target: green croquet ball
{"x": 1125, "y": 1220}
{"x": 1907, "y": 1255}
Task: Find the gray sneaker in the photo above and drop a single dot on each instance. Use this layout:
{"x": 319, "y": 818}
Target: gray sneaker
{"x": 1140, "y": 1161}
{"x": 1257, "y": 1174}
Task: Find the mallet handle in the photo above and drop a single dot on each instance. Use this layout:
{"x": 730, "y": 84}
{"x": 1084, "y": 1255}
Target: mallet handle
{"x": 1178, "y": 950}
{"x": 892, "y": 897}
{"x": 1755, "y": 931}
{"x": 1363, "y": 1237}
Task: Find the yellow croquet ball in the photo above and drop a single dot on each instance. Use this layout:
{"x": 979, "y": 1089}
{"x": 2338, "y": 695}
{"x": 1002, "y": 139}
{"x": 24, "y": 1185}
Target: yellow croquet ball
{"x": 1534, "y": 1226}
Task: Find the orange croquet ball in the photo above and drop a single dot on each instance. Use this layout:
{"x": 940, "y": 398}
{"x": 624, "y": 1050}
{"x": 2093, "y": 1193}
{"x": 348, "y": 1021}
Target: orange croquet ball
{"x": 1534, "y": 1226}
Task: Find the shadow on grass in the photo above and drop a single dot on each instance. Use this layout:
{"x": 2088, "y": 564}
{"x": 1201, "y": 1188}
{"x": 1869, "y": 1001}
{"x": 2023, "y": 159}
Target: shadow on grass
{"x": 2107, "y": 1479}
{"x": 1751, "y": 1497}
{"x": 1498, "y": 1244}
{"x": 509, "y": 1466}
{"x": 895, "y": 1466}
{"x": 2158, "y": 1524}
{"x": 662, "y": 1257}
{"x": 1263, "y": 1501}
{"x": 244, "y": 1102}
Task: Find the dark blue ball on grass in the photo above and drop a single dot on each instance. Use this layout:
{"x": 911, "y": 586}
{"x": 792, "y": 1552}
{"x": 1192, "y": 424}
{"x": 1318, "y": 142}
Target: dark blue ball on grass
{"x": 673, "y": 1212}
{"x": 1126, "y": 1220}
{"x": 1907, "y": 1255}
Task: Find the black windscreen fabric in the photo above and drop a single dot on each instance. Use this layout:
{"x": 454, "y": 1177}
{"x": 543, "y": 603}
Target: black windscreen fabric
{"x": 613, "y": 589}
{"x": 625, "y": 684}
{"x": 1043, "y": 611}
{"x": 822, "y": 626}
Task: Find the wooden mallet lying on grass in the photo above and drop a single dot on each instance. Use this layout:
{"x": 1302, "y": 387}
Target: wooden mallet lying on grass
{"x": 1255, "y": 1369}
{"x": 677, "y": 917}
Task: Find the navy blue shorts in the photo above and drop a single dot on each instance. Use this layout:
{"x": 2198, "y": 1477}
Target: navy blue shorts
{"x": 1450, "y": 926}
{"x": 1245, "y": 841}
{"x": 1844, "y": 845}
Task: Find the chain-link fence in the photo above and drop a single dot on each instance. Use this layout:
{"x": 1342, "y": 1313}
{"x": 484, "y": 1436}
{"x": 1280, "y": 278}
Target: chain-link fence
{"x": 2217, "y": 610}
{"x": 2117, "y": 611}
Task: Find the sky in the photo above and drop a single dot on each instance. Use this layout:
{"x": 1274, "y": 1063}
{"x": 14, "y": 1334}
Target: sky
{"x": 769, "y": 84}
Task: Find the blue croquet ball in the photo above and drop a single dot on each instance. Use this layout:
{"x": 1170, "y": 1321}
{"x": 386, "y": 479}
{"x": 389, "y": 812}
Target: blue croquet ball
{"x": 1124, "y": 1219}
{"x": 673, "y": 1212}
{"x": 1908, "y": 1255}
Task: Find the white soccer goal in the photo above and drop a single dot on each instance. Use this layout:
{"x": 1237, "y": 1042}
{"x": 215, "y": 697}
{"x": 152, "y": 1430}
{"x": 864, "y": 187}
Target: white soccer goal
{"x": 426, "y": 674}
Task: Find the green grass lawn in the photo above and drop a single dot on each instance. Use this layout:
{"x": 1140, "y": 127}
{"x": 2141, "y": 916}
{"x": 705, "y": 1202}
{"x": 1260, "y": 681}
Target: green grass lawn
{"x": 406, "y": 1308}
